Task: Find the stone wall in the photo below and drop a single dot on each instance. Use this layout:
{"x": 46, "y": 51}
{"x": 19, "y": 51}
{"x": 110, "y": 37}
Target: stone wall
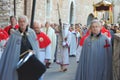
{"x": 40, "y": 13}
{"x": 20, "y": 8}
{"x": 116, "y": 58}
{"x": 82, "y": 9}
{"x": 6, "y": 10}
{"x": 29, "y": 8}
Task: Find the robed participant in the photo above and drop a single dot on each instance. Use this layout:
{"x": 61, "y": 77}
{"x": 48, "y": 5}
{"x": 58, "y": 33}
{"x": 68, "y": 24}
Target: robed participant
{"x": 96, "y": 57}
{"x": 22, "y": 40}
{"x": 44, "y": 45}
{"x": 64, "y": 39}
{"x": 3, "y": 40}
{"x": 13, "y": 25}
{"x": 73, "y": 44}
{"x": 103, "y": 30}
{"x": 50, "y": 32}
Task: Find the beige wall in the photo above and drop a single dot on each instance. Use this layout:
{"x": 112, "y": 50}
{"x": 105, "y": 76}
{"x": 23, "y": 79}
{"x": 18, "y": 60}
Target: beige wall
{"x": 40, "y": 11}
{"x": 6, "y": 10}
{"x": 19, "y": 7}
{"x": 116, "y": 13}
{"x": 82, "y": 9}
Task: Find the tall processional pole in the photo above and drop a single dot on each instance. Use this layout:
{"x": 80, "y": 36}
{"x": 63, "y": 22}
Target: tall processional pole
{"x": 14, "y": 7}
{"x": 33, "y": 13}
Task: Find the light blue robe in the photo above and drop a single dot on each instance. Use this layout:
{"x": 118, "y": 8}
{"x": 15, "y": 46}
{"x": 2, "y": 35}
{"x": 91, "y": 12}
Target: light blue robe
{"x": 95, "y": 61}
{"x": 11, "y": 54}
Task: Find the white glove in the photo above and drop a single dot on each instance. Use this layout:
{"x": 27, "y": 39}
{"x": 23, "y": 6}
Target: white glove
{"x": 64, "y": 43}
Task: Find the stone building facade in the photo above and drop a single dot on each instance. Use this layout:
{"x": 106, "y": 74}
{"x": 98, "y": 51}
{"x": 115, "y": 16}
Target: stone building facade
{"x": 6, "y": 8}
{"x": 71, "y": 11}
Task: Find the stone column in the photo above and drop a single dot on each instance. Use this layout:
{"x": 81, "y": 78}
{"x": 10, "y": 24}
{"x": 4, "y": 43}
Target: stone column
{"x": 6, "y": 10}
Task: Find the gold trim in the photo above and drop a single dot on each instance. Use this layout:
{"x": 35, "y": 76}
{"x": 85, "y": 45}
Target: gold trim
{"x": 104, "y": 3}
{"x": 25, "y": 52}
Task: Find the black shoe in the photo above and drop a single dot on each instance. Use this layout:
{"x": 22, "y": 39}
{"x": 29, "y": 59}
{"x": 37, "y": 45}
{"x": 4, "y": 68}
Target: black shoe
{"x": 71, "y": 55}
{"x": 54, "y": 60}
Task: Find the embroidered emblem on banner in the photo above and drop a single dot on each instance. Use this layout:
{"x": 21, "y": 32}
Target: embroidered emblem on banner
{"x": 41, "y": 39}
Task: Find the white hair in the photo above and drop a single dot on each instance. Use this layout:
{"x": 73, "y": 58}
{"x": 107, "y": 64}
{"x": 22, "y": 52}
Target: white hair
{"x": 23, "y": 17}
{"x": 95, "y": 21}
{"x": 36, "y": 21}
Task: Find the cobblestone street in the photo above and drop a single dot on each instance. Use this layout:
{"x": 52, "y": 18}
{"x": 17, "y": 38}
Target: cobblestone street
{"x": 54, "y": 74}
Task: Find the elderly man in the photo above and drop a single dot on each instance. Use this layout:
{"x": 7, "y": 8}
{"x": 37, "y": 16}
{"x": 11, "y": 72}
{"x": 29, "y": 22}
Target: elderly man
{"x": 22, "y": 40}
{"x": 49, "y": 31}
{"x": 44, "y": 45}
{"x": 95, "y": 62}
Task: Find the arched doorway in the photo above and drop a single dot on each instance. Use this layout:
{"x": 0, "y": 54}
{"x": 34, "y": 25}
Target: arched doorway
{"x": 71, "y": 17}
{"x": 90, "y": 18}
